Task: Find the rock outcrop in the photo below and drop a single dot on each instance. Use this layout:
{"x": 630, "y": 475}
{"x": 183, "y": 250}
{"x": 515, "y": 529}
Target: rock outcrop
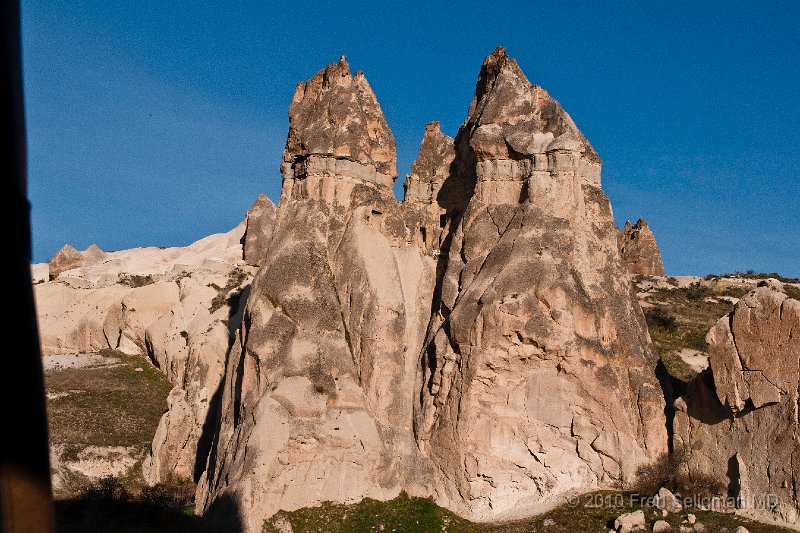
{"x": 319, "y": 387}
{"x": 258, "y": 231}
{"x": 639, "y": 250}
{"x": 538, "y": 376}
{"x": 479, "y": 343}
{"x": 176, "y": 305}
{"x": 68, "y": 258}
{"x": 739, "y": 419}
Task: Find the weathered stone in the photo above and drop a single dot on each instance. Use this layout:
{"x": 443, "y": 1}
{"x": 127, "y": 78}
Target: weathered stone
{"x": 338, "y": 139}
{"x": 534, "y": 320}
{"x": 661, "y": 526}
{"x": 639, "y": 250}
{"x": 738, "y": 419}
{"x": 65, "y": 259}
{"x": 260, "y": 221}
{"x": 628, "y": 522}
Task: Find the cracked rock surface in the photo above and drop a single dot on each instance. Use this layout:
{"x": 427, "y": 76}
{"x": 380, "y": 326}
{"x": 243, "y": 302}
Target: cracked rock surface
{"x": 739, "y": 419}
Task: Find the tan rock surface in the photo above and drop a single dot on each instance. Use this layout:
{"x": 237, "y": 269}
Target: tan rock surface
{"x": 65, "y": 259}
{"x": 319, "y": 388}
{"x": 539, "y": 376}
{"x": 739, "y": 418}
{"x": 176, "y": 305}
{"x": 639, "y": 250}
{"x": 258, "y": 232}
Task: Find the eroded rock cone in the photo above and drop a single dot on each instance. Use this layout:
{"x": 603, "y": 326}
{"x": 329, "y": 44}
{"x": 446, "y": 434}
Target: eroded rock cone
{"x": 538, "y": 376}
{"x": 68, "y": 258}
{"x": 738, "y": 420}
{"x": 317, "y": 403}
{"x": 639, "y": 250}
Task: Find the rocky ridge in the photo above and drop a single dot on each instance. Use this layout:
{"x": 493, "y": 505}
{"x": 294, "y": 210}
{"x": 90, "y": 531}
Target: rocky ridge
{"x": 413, "y": 346}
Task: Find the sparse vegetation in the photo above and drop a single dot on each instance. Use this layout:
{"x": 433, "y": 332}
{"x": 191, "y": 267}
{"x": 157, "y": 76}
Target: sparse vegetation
{"x": 588, "y": 513}
{"x": 750, "y": 274}
{"x": 136, "y": 280}
{"x": 235, "y": 278}
{"x": 107, "y": 406}
{"x": 671, "y": 471}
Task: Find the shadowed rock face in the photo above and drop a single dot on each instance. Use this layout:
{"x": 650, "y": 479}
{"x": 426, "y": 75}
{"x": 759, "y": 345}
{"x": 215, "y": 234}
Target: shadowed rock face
{"x": 639, "y": 251}
{"x": 739, "y": 419}
{"x": 479, "y": 343}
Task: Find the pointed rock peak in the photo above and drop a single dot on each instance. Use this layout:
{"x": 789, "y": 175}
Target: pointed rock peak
{"x": 261, "y": 203}
{"x": 514, "y": 118}
{"x": 337, "y": 115}
{"x": 639, "y": 251}
{"x": 436, "y": 153}
{"x": 67, "y": 249}
{"x": 93, "y": 249}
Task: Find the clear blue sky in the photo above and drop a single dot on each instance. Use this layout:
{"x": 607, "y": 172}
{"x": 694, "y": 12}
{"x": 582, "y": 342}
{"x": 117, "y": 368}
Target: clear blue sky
{"x": 156, "y": 123}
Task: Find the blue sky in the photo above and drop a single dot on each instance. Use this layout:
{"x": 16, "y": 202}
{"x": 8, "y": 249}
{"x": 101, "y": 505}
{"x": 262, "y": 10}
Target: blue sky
{"x": 156, "y": 123}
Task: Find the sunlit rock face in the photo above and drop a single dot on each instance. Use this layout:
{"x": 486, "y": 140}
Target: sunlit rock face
{"x": 538, "y": 375}
{"x": 479, "y": 343}
{"x": 639, "y": 251}
{"x": 739, "y": 420}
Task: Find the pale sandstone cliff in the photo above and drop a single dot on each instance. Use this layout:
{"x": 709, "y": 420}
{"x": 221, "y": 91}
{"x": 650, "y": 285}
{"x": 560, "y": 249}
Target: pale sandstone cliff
{"x": 639, "y": 251}
{"x": 176, "y": 305}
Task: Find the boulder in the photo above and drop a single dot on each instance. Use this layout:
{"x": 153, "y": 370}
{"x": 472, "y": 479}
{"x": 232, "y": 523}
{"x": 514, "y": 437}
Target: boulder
{"x": 666, "y": 501}
{"x": 634, "y": 521}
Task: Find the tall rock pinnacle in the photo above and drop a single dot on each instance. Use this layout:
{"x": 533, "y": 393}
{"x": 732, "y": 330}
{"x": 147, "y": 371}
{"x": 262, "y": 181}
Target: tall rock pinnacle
{"x": 337, "y": 128}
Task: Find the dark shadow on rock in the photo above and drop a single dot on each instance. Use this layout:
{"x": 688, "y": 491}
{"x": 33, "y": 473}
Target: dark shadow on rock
{"x": 206, "y": 444}
{"x": 669, "y": 391}
{"x": 702, "y": 401}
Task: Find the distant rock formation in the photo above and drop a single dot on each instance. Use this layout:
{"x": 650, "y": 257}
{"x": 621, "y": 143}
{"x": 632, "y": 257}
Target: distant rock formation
{"x": 739, "y": 419}
{"x": 68, "y": 258}
{"x": 639, "y": 251}
{"x": 479, "y": 343}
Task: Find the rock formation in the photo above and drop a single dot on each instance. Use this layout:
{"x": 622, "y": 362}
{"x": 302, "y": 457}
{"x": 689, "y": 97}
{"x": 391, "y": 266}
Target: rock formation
{"x": 319, "y": 388}
{"x": 739, "y": 419}
{"x": 176, "y": 305}
{"x": 639, "y": 251}
{"x": 68, "y": 258}
{"x": 479, "y": 342}
{"x": 258, "y": 231}
{"x": 538, "y": 376}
